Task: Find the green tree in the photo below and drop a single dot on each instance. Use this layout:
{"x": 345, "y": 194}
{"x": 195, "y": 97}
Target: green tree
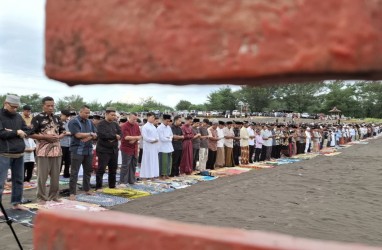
{"x": 258, "y": 98}
{"x": 344, "y": 96}
{"x": 222, "y": 99}
{"x": 183, "y": 105}
{"x": 300, "y": 97}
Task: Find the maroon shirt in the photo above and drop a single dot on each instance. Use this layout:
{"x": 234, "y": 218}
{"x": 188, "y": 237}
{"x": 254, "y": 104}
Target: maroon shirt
{"x": 129, "y": 129}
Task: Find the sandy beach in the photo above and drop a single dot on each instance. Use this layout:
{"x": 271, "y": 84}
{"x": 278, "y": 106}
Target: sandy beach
{"x": 331, "y": 198}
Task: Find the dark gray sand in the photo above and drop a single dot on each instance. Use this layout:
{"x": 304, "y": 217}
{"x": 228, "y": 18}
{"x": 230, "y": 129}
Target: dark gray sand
{"x": 331, "y": 198}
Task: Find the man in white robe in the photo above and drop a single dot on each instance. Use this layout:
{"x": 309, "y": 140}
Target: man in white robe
{"x": 150, "y": 160}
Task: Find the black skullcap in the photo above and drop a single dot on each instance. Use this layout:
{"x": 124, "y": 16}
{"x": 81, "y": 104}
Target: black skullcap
{"x": 196, "y": 120}
{"x": 221, "y": 123}
{"x": 166, "y": 117}
{"x": 229, "y": 122}
{"x": 27, "y": 107}
{"x": 64, "y": 111}
{"x": 189, "y": 117}
{"x": 96, "y": 117}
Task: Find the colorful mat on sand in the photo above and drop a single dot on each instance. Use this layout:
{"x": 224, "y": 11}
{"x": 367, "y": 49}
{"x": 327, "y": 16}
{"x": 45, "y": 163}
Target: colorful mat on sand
{"x": 23, "y": 217}
{"x": 328, "y": 150}
{"x": 345, "y": 146}
{"x": 359, "y": 142}
{"x": 305, "y": 156}
{"x": 333, "y": 154}
{"x": 257, "y": 166}
{"x": 8, "y": 187}
{"x": 203, "y": 178}
{"x": 64, "y": 181}
{"x": 102, "y": 199}
{"x": 152, "y": 187}
{"x": 67, "y": 205}
{"x": 126, "y": 192}
{"x": 229, "y": 171}
{"x": 283, "y": 161}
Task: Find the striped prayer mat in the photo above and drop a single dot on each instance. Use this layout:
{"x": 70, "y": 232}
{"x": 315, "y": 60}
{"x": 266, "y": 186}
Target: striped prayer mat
{"x": 102, "y": 199}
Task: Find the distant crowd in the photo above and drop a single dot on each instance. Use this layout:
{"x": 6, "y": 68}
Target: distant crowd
{"x": 161, "y": 147}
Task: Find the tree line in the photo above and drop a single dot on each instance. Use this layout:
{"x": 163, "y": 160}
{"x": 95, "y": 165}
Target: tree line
{"x": 357, "y": 99}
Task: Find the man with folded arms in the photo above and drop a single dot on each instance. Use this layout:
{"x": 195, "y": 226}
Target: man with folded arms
{"x": 131, "y": 134}
{"x": 108, "y": 133}
{"x": 83, "y": 133}
{"x": 12, "y": 131}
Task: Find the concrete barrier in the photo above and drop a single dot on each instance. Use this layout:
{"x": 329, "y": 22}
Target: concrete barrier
{"x": 114, "y": 230}
{"x": 212, "y": 41}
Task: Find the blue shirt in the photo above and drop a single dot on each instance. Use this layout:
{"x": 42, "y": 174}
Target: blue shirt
{"x": 79, "y": 125}
{"x": 65, "y": 141}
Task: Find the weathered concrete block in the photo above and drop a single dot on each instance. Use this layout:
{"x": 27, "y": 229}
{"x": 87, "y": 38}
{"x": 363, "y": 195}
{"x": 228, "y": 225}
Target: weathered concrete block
{"x": 113, "y": 230}
{"x": 139, "y": 41}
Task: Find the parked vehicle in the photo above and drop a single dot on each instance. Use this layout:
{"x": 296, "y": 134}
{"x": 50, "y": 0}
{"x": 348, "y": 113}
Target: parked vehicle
{"x": 214, "y": 113}
{"x": 305, "y": 115}
{"x": 200, "y": 113}
{"x": 236, "y": 112}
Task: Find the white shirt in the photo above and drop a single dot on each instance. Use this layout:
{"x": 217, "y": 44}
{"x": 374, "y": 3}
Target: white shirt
{"x": 29, "y": 156}
{"x": 251, "y": 142}
{"x": 220, "y": 132}
{"x": 266, "y": 134}
{"x": 228, "y": 132}
{"x": 165, "y": 138}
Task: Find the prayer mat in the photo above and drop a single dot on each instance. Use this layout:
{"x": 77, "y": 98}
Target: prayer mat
{"x": 153, "y": 188}
{"x": 359, "y": 142}
{"x": 203, "y": 177}
{"x": 229, "y": 171}
{"x": 102, "y": 199}
{"x": 282, "y": 161}
{"x": 31, "y": 185}
{"x": 257, "y": 166}
{"x": 328, "y": 150}
{"x": 305, "y": 156}
{"x": 185, "y": 180}
{"x": 333, "y": 154}
{"x": 64, "y": 181}
{"x": 67, "y": 205}
{"x": 345, "y": 146}
{"x": 126, "y": 192}
{"x": 23, "y": 217}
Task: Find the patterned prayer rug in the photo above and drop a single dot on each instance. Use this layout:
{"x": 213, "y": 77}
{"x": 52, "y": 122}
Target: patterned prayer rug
{"x": 23, "y": 217}
{"x": 67, "y": 205}
{"x": 126, "y": 192}
{"x": 27, "y": 186}
{"x": 102, "y": 199}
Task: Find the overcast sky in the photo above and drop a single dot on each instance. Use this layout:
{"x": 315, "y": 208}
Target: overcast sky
{"x": 22, "y": 61}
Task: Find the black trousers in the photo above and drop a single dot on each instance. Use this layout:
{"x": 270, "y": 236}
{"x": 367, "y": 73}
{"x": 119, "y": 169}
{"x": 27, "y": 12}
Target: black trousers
{"x": 276, "y": 151}
{"x": 251, "y": 152}
{"x": 195, "y": 157}
{"x": 263, "y": 153}
{"x": 66, "y": 161}
{"x": 140, "y": 155}
{"x": 211, "y": 159}
{"x": 176, "y": 158}
{"x": 236, "y": 154}
{"x": 111, "y": 161}
{"x": 257, "y": 154}
{"x": 300, "y": 147}
{"x": 28, "y": 171}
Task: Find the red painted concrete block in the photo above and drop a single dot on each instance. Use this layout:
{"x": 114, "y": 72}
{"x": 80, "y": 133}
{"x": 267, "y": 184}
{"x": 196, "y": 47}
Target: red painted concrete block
{"x": 113, "y": 230}
{"x": 167, "y": 41}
